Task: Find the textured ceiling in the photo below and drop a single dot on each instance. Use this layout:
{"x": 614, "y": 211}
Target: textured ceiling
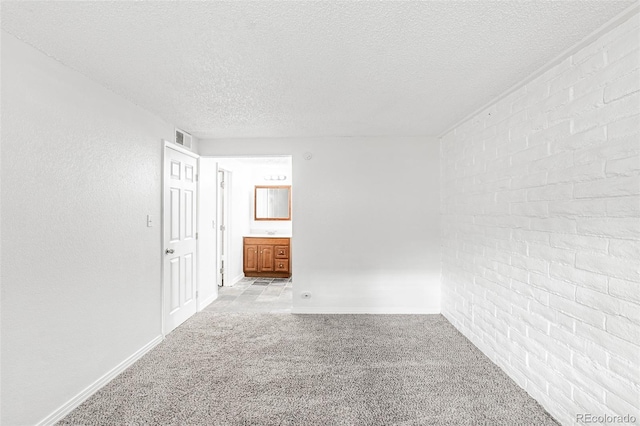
{"x": 270, "y": 69}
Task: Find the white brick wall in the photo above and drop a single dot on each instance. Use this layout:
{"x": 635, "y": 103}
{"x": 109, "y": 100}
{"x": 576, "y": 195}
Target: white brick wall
{"x": 541, "y": 230}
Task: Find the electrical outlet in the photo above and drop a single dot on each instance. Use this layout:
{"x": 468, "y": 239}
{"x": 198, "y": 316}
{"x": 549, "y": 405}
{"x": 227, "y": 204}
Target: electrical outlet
{"x": 306, "y": 295}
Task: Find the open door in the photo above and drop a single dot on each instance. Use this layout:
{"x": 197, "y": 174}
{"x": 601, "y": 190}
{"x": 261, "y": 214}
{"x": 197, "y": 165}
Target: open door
{"x": 224, "y": 203}
{"x": 179, "y": 236}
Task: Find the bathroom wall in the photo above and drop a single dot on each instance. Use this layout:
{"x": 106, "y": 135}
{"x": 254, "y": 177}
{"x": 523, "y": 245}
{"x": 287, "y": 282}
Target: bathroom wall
{"x": 366, "y": 228}
{"x": 258, "y": 172}
{"x": 540, "y": 211}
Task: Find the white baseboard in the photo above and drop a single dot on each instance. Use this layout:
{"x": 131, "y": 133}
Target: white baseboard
{"x": 74, "y": 402}
{"x": 363, "y": 310}
{"x": 235, "y": 280}
{"x": 206, "y": 302}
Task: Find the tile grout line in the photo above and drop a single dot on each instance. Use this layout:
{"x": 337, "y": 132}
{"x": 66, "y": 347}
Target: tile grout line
{"x": 255, "y": 295}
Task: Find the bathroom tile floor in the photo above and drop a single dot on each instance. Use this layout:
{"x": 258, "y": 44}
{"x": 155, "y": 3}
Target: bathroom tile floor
{"x": 268, "y": 295}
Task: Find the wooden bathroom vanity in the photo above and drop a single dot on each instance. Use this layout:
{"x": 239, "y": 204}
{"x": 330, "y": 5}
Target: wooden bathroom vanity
{"x": 266, "y": 257}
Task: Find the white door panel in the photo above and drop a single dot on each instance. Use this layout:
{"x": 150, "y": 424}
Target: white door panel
{"x": 189, "y": 209}
{"x": 188, "y": 277}
{"x": 174, "y": 284}
{"x": 174, "y": 214}
{"x": 180, "y": 197}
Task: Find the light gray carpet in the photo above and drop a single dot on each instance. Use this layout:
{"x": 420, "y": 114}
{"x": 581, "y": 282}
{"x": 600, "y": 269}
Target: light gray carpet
{"x": 282, "y": 369}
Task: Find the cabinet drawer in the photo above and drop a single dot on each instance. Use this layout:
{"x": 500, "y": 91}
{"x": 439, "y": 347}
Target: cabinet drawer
{"x": 281, "y": 265}
{"x": 282, "y": 252}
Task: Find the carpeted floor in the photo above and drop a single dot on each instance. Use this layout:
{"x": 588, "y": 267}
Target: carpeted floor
{"x": 283, "y": 369}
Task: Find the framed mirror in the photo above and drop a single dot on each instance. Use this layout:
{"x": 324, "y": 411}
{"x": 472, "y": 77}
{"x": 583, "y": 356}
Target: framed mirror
{"x": 272, "y": 203}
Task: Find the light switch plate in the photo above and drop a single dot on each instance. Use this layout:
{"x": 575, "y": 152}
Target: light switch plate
{"x": 149, "y": 221}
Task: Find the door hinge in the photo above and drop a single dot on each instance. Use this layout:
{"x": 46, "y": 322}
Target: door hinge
{"x": 223, "y": 228}
{"x": 222, "y": 184}
{"x": 196, "y": 177}
{"x": 222, "y": 270}
{"x": 196, "y": 294}
{"x": 196, "y": 235}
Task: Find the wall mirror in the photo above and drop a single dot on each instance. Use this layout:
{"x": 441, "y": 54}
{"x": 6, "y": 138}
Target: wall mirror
{"x": 272, "y": 203}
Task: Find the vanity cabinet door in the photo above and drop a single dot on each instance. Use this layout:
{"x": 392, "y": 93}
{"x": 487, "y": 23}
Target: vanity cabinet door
{"x": 251, "y": 258}
{"x": 265, "y": 258}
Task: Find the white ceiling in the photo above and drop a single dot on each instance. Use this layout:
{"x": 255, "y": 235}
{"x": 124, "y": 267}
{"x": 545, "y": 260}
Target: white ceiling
{"x": 333, "y": 68}
{"x": 259, "y": 161}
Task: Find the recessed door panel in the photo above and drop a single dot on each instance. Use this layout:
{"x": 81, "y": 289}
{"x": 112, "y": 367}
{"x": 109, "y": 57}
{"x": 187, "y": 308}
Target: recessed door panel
{"x": 189, "y": 210}
{"x": 265, "y": 258}
{"x": 174, "y": 214}
{"x": 188, "y": 173}
{"x": 174, "y": 283}
{"x": 175, "y": 169}
{"x": 250, "y": 258}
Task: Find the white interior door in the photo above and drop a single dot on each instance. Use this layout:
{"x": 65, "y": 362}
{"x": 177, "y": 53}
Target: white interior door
{"x": 180, "y": 245}
{"x": 224, "y": 203}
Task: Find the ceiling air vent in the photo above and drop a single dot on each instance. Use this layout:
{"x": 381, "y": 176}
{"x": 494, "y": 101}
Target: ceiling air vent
{"x": 183, "y": 138}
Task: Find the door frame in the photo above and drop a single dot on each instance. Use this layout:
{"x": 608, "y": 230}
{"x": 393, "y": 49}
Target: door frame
{"x": 221, "y": 157}
{"x": 170, "y": 145}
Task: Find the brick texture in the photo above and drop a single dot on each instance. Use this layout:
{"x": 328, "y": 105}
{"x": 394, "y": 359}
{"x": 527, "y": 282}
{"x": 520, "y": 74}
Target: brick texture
{"x": 541, "y": 230}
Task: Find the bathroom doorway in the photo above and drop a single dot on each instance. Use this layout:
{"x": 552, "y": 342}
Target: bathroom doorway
{"x": 234, "y": 194}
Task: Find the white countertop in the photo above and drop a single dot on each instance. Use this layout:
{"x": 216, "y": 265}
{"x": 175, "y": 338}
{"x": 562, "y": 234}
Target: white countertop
{"x": 268, "y": 235}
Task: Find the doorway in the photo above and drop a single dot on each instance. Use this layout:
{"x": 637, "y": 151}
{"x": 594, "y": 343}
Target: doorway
{"x": 236, "y": 179}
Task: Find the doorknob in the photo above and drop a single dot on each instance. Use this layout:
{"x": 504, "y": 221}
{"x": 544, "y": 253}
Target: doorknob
{"x": 168, "y": 251}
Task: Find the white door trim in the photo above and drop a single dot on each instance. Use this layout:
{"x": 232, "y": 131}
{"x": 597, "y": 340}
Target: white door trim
{"x": 207, "y": 240}
{"x": 178, "y": 148}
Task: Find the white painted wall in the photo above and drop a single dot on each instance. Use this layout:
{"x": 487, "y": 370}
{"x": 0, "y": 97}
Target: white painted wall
{"x": 366, "y": 233}
{"x": 81, "y": 281}
{"x": 257, "y": 174}
{"x": 207, "y": 248}
{"x": 541, "y": 230}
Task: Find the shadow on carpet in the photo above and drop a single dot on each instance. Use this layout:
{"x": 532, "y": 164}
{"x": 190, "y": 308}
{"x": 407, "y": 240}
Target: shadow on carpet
{"x": 282, "y": 369}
